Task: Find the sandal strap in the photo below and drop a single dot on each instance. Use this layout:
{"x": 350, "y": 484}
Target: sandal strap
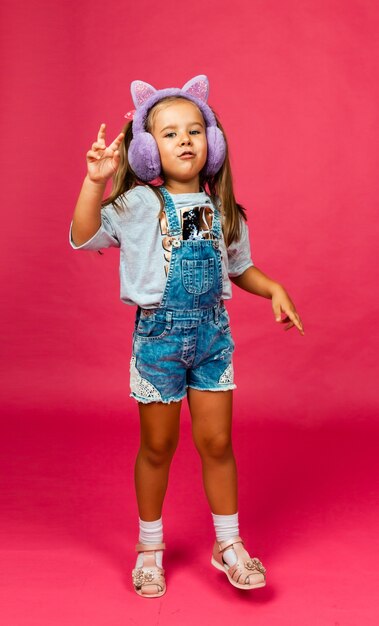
{"x": 222, "y": 545}
{"x": 145, "y": 547}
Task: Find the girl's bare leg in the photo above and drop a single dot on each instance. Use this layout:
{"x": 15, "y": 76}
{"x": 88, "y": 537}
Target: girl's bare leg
{"x": 211, "y": 413}
{"x": 159, "y": 439}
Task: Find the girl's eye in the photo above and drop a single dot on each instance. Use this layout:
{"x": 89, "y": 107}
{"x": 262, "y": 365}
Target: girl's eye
{"x": 191, "y": 132}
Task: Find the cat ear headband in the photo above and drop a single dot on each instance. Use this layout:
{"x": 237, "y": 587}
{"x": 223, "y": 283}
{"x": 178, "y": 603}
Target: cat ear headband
{"x": 143, "y": 153}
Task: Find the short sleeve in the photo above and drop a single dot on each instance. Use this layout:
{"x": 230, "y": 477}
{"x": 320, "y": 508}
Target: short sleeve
{"x": 239, "y": 253}
{"x": 107, "y": 235}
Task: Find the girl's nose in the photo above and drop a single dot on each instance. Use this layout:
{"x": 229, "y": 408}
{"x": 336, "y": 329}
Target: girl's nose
{"x": 185, "y": 139}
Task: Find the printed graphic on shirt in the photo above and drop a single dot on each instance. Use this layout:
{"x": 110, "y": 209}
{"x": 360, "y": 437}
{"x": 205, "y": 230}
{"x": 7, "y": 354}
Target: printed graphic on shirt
{"x": 195, "y": 222}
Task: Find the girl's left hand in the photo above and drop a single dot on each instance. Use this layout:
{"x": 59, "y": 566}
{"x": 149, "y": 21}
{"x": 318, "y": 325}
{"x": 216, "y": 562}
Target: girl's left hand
{"x": 281, "y": 302}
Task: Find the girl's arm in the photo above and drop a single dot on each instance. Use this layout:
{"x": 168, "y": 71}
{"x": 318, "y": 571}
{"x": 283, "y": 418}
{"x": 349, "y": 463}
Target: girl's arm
{"x": 256, "y": 282}
{"x": 102, "y": 162}
{"x": 87, "y": 219}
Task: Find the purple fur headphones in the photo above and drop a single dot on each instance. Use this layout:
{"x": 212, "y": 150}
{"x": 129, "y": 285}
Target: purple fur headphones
{"x": 143, "y": 151}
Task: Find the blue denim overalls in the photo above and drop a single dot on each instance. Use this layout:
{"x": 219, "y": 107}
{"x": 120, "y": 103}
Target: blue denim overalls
{"x": 186, "y": 341}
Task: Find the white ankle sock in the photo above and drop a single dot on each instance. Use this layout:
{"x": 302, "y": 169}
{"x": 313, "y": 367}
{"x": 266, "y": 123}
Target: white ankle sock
{"x": 226, "y": 527}
{"x": 150, "y": 533}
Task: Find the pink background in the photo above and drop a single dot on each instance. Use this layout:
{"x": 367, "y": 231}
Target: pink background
{"x": 295, "y": 85}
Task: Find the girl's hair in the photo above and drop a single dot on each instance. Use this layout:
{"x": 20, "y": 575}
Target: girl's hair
{"x": 219, "y": 186}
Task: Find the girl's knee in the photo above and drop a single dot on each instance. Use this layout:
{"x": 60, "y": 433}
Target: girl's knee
{"x": 218, "y": 446}
{"x": 159, "y": 451}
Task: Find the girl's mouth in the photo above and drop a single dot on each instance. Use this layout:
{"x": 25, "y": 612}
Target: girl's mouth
{"x": 187, "y": 155}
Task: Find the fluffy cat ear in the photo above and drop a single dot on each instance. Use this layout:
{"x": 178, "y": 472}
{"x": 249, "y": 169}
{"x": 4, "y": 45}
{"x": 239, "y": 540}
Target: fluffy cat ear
{"x": 141, "y": 91}
{"x": 198, "y": 87}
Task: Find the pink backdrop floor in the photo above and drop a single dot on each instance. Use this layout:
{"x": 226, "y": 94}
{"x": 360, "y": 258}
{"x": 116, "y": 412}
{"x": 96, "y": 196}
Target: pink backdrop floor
{"x": 71, "y": 521}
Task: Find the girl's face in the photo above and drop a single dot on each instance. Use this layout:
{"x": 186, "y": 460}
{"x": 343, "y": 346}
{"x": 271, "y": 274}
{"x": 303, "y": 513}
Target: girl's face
{"x": 179, "y": 128}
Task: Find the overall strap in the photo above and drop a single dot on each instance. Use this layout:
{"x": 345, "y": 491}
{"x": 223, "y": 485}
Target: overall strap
{"x": 216, "y": 224}
{"x": 174, "y": 229}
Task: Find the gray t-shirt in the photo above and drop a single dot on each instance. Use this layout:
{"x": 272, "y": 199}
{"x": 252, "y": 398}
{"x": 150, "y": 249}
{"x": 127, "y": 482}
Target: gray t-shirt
{"x": 143, "y": 242}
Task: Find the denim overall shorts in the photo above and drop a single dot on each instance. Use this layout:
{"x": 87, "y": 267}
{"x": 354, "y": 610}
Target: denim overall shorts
{"x": 186, "y": 341}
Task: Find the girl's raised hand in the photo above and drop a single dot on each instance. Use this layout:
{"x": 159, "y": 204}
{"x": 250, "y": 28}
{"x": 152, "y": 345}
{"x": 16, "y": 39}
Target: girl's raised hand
{"x": 281, "y": 301}
{"x": 102, "y": 160}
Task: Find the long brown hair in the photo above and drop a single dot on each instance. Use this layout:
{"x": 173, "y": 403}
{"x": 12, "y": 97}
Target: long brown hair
{"x": 219, "y": 187}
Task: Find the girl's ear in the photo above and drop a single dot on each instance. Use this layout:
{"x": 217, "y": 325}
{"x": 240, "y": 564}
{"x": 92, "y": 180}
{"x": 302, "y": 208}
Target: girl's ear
{"x": 198, "y": 87}
{"x": 141, "y": 91}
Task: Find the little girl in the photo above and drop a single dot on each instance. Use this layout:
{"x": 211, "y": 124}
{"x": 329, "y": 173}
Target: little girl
{"x": 182, "y": 237}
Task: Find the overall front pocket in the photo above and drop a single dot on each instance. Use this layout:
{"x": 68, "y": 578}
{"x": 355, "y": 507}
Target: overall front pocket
{"x": 150, "y": 330}
{"x": 198, "y": 275}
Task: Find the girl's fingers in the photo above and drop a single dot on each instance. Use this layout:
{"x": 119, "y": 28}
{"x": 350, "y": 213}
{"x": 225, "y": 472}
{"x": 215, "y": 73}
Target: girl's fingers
{"x": 277, "y": 312}
{"x": 296, "y": 321}
{"x": 293, "y": 319}
{"x": 299, "y": 325}
{"x": 94, "y": 154}
{"x": 116, "y": 143}
{"x": 101, "y": 133}
{"x": 100, "y": 143}
{"x": 98, "y": 146}
{"x": 91, "y": 154}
